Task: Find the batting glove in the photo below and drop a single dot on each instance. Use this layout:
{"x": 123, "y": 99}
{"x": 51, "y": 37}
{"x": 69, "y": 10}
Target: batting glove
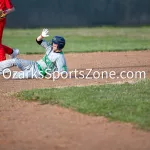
{"x": 45, "y": 33}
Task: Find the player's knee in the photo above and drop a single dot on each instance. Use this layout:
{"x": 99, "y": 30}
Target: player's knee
{"x": 17, "y": 62}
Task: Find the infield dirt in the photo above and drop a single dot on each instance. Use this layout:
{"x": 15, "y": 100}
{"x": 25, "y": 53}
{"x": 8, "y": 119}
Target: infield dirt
{"x": 29, "y": 125}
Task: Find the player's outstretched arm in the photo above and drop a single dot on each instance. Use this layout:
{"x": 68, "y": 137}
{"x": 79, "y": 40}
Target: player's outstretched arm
{"x": 40, "y": 40}
{"x": 43, "y": 35}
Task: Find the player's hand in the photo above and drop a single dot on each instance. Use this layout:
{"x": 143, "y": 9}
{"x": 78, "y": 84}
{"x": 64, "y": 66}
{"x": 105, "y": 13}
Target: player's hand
{"x": 2, "y": 14}
{"x": 45, "y": 33}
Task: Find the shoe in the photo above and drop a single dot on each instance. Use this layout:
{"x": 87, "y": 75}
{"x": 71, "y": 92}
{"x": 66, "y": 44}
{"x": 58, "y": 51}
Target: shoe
{"x": 15, "y": 53}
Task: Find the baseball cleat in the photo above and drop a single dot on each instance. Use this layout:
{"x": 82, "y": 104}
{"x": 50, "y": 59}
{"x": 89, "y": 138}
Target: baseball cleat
{"x": 15, "y": 53}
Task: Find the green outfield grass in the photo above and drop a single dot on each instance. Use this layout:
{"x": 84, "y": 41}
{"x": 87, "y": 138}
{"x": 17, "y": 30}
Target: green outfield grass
{"x": 126, "y": 102}
{"x": 83, "y": 39}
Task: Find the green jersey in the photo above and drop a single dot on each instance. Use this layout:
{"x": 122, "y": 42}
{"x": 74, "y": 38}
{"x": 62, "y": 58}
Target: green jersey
{"x": 51, "y": 61}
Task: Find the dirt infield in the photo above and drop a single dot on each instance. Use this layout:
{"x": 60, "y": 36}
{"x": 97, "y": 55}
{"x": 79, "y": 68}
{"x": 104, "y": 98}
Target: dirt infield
{"x": 26, "y": 126}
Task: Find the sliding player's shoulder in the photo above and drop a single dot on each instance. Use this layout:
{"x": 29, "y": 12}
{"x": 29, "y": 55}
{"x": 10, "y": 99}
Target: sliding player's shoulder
{"x": 61, "y": 55}
{"x": 45, "y": 44}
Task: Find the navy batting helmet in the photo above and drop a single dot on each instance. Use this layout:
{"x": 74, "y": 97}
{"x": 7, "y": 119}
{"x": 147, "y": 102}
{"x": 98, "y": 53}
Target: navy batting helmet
{"x": 60, "y": 41}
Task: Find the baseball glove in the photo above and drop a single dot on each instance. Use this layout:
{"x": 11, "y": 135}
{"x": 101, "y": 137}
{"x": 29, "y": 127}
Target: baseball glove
{"x": 2, "y": 14}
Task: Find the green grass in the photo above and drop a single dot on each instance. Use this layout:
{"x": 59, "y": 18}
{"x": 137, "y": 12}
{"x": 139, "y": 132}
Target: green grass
{"x": 126, "y": 102}
{"x": 83, "y": 39}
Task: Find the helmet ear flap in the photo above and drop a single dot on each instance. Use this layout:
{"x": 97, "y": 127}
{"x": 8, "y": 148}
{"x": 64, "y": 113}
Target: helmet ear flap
{"x": 60, "y": 41}
{"x": 58, "y": 47}
{"x": 61, "y": 46}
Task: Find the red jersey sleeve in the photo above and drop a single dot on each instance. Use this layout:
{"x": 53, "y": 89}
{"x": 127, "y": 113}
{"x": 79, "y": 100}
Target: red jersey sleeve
{"x": 8, "y": 4}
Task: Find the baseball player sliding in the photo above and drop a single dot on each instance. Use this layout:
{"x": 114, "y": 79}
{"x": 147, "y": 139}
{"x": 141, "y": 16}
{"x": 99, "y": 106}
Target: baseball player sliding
{"x": 53, "y": 60}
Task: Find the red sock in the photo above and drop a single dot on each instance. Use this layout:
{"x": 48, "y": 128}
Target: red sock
{"x": 2, "y": 53}
{"x": 8, "y": 50}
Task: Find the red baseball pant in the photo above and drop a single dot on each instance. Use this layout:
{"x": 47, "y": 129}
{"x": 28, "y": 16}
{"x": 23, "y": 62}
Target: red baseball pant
{"x": 3, "y": 49}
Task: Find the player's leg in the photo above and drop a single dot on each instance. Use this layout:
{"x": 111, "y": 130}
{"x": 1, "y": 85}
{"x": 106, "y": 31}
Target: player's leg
{"x": 23, "y": 64}
{"x": 20, "y": 63}
{"x": 12, "y": 52}
{"x": 5, "y": 49}
{"x": 6, "y": 64}
{"x": 2, "y": 25}
{"x": 29, "y": 70}
{"x": 2, "y": 51}
{"x": 30, "y": 73}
